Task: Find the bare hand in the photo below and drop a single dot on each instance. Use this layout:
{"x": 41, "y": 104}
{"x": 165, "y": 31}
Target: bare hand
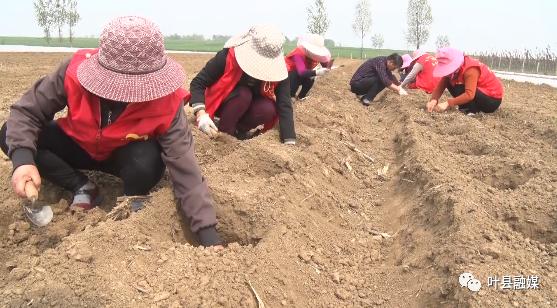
{"x": 431, "y": 105}
{"x": 441, "y": 107}
{"x": 22, "y": 175}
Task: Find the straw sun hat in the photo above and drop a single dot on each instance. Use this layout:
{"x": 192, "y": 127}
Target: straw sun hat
{"x": 259, "y": 53}
{"x": 407, "y": 60}
{"x": 314, "y": 44}
{"x": 418, "y": 53}
{"x": 131, "y": 65}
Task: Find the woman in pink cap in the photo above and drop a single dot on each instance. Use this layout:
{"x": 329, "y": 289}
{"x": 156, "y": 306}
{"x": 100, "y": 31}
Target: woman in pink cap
{"x": 420, "y": 75}
{"x": 406, "y": 67}
{"x": 474, "y": 87}
{"x": 125, "y": 118}
{"x": 302, "y": 64}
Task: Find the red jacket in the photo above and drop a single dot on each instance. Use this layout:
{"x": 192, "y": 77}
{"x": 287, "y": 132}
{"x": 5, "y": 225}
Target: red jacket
{"x": 299, "y": 51}
{"x": 425, "y": 79}
{"x": 220, "y": 90}
{"x": 139, "y": 121}
{"x": 488, "y": 83}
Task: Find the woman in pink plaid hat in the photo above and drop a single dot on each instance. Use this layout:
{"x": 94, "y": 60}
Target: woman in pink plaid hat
{"x": 474, "y": 87}
{"x": 125, "y": 118}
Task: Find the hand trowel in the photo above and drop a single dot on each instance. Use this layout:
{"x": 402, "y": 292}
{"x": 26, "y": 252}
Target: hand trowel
{"x": 39, "y": 215}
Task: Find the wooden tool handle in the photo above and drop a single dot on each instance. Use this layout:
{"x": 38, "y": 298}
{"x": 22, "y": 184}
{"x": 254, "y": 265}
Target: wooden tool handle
{"x": 31, "y": 191}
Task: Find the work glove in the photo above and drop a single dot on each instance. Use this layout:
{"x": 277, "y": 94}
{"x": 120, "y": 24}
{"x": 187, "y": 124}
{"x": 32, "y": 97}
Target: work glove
{"x": 206, "y": 125}
{"x": 209, "y": 237}
{"x": 401, "y": 91}
{"x": 321, "y": 71}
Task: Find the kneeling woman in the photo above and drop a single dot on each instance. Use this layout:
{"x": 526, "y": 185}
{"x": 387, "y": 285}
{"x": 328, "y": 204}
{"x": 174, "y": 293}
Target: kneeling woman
{"x": 420, "y": 75}
{"x": 473, "y": 85}
{"x": 302, "y": 63}
{"x": 245, "y": 86}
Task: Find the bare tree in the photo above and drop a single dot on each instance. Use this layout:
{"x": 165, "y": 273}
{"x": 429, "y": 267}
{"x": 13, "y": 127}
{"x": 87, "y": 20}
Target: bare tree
{"x": 72, "y": 17}
{"x": 362, "y": 22}
{"x": 419, "y": 20}
{"x": 442, "y": 41}
{"x": 43, "y": 13}
{"x": 318, "y": 21}
{"x": 377, "y": 41}
{"x": 59, "y": 15}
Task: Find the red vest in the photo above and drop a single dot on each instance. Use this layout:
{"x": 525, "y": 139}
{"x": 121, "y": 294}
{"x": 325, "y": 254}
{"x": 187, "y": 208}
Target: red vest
{"x": 216, "y": 93}
{"x": 139, "y": 121}
{"x": 300, "y": 51}
{"x": 425, "y": 79}
{"x": 488, "y": 83}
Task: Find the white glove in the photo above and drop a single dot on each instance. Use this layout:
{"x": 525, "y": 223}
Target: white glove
{"x": 206, "y": 125}
{"x": 401, "y": 91}
{"x": 321, "y": 71}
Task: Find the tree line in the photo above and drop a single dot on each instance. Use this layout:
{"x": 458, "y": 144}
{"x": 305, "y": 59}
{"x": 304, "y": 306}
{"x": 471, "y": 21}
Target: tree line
{"x": 55, "y": 14}
{"x": 419, "y": 20}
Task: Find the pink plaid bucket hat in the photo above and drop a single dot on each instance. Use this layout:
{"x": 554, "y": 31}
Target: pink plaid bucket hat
{"x": 131, "y": 65}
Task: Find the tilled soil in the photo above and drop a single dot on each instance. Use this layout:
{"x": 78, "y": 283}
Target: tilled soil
{"x": 382, "y": 206}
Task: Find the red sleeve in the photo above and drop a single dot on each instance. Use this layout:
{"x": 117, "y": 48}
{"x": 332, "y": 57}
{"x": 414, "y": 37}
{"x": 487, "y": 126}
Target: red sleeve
{"x": 300, "y": 64}
{"x": 440, "y": 88}
{"x": 471, "y": 77}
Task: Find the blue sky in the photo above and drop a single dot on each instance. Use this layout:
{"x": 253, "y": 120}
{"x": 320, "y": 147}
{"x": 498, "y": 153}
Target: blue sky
{"x": 492, "y": 25}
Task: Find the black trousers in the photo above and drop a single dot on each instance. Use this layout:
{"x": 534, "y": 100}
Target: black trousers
{"x": 138, "y": 164}
{"x": 296, "y": 81}
{"x": 368, "y": 87}
{"x": 481, "y": 102}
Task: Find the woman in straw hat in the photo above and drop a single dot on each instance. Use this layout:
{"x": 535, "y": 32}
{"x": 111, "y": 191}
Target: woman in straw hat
{"x": 473, "y": 85}
{"x": 125, "y": 117}
{"x": 302, "y": 62}
{"x": 245, "y": 86}
{"x": 420, "y": 74}
{"x": 374, "y": 75}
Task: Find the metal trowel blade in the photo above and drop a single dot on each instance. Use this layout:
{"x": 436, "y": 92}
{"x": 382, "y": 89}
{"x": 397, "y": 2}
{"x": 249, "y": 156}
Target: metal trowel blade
{"x": 40, "y": 216}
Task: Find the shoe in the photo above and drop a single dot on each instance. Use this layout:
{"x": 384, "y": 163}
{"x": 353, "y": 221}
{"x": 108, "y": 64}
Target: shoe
{"x": 82, "y": 195}
{"x": 240, "y": 135}
{"x": 138, "y": 202}
{"x": 366, "y": 102}
{"x": 302, "y": 98}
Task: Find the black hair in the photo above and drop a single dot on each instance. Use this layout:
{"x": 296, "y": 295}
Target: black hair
{"x": 396, "y": 59}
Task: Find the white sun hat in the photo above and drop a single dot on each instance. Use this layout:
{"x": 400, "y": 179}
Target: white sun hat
{"x": 259, "y": 52}
{"x": 314, "y": 44}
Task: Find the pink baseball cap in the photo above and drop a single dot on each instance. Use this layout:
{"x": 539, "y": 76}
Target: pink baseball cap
{"x": 449, "y": 60}
{"x": 131, "y": 65}
{"x": 406, "y": 61}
